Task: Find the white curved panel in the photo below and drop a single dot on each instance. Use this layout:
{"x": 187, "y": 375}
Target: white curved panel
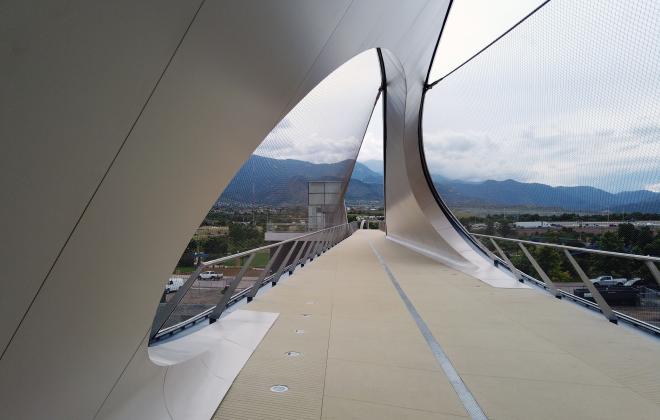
{"x": 73, "y": 79}
{"x": 414, "y": 218}
{"x": 214, "y": 105}
{"x": 192, "y": 374}
{"x": 240, "y": 69}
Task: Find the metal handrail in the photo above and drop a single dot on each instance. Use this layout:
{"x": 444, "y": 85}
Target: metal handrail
{"x": 575, "y": 248}
{"x": 601, "y": 304}
{"x": 265, "y": 247}
{"x": 319, "y": 242}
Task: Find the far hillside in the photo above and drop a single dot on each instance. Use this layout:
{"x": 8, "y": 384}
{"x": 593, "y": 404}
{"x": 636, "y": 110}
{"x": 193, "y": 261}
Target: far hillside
{"x": 278, "y": 183}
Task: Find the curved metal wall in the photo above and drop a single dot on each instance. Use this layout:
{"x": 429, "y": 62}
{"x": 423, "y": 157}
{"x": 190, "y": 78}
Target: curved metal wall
{"x": 101, "y": 118}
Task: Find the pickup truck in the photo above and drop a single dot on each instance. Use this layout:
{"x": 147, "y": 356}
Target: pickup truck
{"x": 608, "y": 281}
{"x": 210, "y": 275}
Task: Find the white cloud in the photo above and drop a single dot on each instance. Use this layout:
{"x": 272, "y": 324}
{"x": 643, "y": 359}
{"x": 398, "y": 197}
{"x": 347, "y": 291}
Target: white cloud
{"x": 327, "y": 125}
{"x": 471, "y": 25}
{"x": 653, "y": 187}
{"x": 554, "y": 102}
{"x": 372, "y": 145}
{"x": 613, "y": 160}
{"x": 311, "y": 148}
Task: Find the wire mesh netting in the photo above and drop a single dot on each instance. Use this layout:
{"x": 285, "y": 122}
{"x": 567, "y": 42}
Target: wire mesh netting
{"x": 473, "y": 24}
{"x": 553, "y": 134}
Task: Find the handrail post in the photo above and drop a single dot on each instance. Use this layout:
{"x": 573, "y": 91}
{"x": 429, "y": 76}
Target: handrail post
{"x": 654, "y": 271}
{"x": 544, "y": 276}
{"x": 315, "y": 250}
{"x": 328, "y": 240}
{"x": 257, "y": 284}
{"x": 604, "y": 307}
{"x": 485, "y": 248}
{"x": 283, "y": 265}
{"x": 310, "y": 249}
{"x": 229, "y": 291}
{"x": 324, "y": 238}
{"x": 319, "y": 244}
{"x": 335, "y": 235}
{"x": 163, "y": 315}
{"x": 302, "y": 253}
{"x": 513, "y": 268}
{"x": 297, "y": 259}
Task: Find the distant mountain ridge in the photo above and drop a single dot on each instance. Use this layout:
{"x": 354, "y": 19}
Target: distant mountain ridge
{"x": 265, "y": 181}
{"x": 374, "y": 165}
{"x": 284, "y": 182}
{"x": 515, "y": 193}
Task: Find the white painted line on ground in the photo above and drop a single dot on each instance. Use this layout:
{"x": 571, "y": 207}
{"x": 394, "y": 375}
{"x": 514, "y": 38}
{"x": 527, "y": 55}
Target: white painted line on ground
{"x": 464, "y": 394}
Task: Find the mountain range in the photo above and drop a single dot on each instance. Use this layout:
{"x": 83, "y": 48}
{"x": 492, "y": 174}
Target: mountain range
{"x": 280, "y": 182}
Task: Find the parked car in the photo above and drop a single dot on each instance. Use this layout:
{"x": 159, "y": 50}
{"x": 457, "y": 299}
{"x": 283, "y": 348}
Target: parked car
{"x": 173, "y": 284}
{"x": 210, "y": 275}
{"x": 614, "y": 295}
{"x": 634, "y": 282}
{"x": 606, "y": 281}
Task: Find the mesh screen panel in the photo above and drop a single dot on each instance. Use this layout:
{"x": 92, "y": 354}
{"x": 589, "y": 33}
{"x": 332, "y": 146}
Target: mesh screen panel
{"x": 317, "y": 141}
{"x": 473, "y": 24}
{"x": 570, "y": 98}
{"x": 365, "y": 189}
{"x": 553, "y": 134}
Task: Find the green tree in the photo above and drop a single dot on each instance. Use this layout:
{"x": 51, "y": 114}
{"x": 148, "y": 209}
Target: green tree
{"x": 644, "y": 237}
{"x": 505, "y": 228}
{"x": 188, "y": 256}
{"x": 243, "y": 237}
{"x": 627, "y": 233}
{"x": 605, "y": 265}
{"x": 216, "y": 245}
{"x": 490, "y": 226}
{"x": 653, "y": 248}
{"x": 552, "y": 262}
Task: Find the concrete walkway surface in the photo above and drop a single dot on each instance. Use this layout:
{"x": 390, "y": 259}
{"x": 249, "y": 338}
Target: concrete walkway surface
{"x": 346, "y": 347}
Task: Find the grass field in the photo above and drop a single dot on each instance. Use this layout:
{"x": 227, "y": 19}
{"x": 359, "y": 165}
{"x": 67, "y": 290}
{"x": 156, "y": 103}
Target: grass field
{"x": 184, "y": 270}
{"x": 260, "y": 260}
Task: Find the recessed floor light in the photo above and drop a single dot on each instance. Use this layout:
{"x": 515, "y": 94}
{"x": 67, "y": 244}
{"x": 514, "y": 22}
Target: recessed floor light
{"x": 293, "y": 353}
{"x": 306, "y": 315}
{"x": 300, "y": 331}
{"x": 279, "y": 388}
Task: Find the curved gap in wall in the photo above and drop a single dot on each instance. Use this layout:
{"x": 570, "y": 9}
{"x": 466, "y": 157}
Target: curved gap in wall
{"x": 292, "y": 184}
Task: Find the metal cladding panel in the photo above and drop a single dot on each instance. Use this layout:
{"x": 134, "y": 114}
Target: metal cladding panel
{"x": 72, "y": 82}
{"x": 217, "y": 97}
{"x": 240, "y": 68}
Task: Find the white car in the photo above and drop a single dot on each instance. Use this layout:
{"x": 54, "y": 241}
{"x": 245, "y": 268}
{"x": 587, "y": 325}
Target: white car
{"x": 173, "y": 284}
{"x": 210, "y": 275}
{"x": 608, "y": 281}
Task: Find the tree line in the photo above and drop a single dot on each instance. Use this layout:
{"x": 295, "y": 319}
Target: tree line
{"x": 240, "y": 237}
{"x": 626, "y": 238}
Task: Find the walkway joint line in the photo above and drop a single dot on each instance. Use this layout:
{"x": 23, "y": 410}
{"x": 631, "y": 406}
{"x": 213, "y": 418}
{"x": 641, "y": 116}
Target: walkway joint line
{"x": 467, "y": 399}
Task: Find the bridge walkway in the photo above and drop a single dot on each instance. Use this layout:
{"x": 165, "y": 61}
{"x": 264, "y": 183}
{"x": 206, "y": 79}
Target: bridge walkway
{"x": 369, "y": 322}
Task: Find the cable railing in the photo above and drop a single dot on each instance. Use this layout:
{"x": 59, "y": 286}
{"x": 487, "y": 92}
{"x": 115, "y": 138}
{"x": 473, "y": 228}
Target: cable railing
{"x": 616, "y": 298}
{"x": 184, "y": 310}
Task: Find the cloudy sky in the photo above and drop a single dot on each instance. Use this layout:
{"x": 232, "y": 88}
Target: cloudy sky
{"x": 570, "y": 97}
{"x": 329, "y": 123}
